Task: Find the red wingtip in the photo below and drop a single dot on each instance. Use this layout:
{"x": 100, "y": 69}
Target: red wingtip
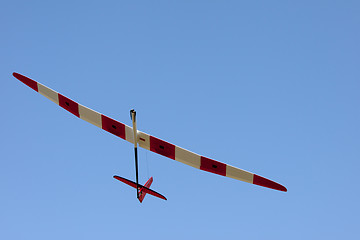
{"x": 261, "y": 181}
{"x": 31, "y": 83}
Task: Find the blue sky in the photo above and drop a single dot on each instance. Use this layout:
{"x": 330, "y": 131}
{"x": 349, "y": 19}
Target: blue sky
{"x": 269, "y": 87}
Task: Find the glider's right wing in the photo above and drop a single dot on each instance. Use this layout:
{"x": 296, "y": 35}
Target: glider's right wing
{"x": 149, "y": 142}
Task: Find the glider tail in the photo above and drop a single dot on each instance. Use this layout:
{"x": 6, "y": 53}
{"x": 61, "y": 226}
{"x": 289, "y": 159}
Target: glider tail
{"x": 143, "y": 190}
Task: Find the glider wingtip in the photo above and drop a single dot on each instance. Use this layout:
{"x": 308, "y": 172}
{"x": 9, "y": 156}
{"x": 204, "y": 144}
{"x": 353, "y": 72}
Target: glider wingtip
{"x": 27, "y": 81}
{"x": 281, "y": 188}
{"x": 16, "y": 75}
{"x": 264, "y": 182}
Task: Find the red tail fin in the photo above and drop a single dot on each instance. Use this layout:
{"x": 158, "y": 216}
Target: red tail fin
{"x": 142, "y": 193}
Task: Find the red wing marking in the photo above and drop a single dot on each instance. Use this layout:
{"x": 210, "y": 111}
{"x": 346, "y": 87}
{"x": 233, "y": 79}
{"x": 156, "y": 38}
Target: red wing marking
{"x": 69, "y": 105}
{"x": 161, "y": 147}
{"x": 31, "y": 83}
{"x": 112, "y": 126}
{"x": 213, "y": 166}
{"x": 261, "y": 181}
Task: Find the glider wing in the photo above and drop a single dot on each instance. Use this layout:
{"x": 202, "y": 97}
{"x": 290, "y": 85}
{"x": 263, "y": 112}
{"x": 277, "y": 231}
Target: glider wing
{"x": 146, "y": 141}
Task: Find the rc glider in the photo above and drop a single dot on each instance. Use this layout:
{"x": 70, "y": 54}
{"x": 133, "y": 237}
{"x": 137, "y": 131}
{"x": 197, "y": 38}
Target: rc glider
{"x": 146, "y": 141}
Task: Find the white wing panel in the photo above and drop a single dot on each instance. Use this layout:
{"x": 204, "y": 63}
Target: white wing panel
{"x": 90, "y": 115}
{"x": 129, "y": 134}
{"x": 48, "y": 93}
{"x": 187, "y": 157}
{"x": 239, "y": 174}
{"x": 144, "y": 140}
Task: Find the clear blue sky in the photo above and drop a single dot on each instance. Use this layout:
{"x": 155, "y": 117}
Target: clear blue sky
{"x": 269, "y": 87}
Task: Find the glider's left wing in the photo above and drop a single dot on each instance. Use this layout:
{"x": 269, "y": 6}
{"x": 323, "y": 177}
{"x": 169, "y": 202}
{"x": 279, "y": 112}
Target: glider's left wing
{"x": 146, "y": 141}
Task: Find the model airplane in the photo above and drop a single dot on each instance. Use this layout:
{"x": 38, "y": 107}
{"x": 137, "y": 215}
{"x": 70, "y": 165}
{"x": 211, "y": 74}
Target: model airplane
{"x": 132, "y": 135}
